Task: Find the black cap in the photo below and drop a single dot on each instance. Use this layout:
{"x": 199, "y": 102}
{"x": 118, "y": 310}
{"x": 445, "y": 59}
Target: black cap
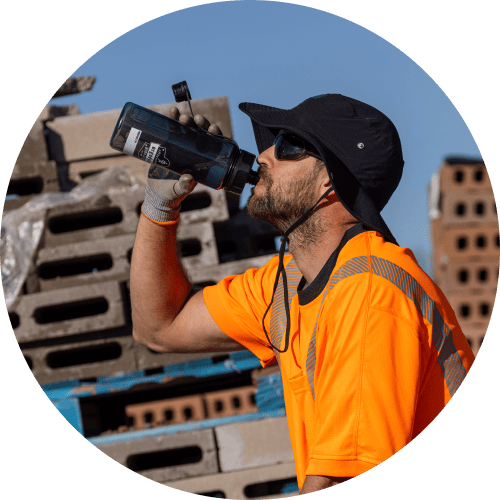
{"x": 359, "y": 145}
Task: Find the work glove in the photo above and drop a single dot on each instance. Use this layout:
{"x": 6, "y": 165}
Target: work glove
{"x": 165, "y": 189}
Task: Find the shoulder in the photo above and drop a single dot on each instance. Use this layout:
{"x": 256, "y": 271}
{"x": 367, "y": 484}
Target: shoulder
{"x": 257, "y": 280}
{"x": 392, "y": 276}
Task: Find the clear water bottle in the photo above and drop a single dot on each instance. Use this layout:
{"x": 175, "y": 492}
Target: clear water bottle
{"x": 213, "y": 160}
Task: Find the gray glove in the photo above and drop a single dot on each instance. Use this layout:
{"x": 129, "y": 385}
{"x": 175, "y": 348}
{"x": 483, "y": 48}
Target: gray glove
{"x": 165, "y": 189}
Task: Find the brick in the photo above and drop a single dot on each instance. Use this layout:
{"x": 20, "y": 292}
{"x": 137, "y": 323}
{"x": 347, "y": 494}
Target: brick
{"x": 148, "y": 359}
{"x": 472, "y": 308}
{"x": 198, "y": 240}
{"x": 82, "y": 137}
{"x": 190, "y": 446}
{"x": 81, "y": 360}
{"x": 475, "y": 336}
{"x": 166, "y": 412}
{"x": 262, "y": 482}
{"x": 102, "y": 303}
{"x": 231, "y": 402}
{"x": 253, "y": 444}
{"x": 34, "y": 149}
{"x": 464, "y": 177}
{"x": 113, "y": 214}
{"x": 84, "y": 263}
{"x": 213, "y": 274}
{"x": 464, "y": 275}
{"x": 473, "y": 208}
{"x": 464, "y": 242}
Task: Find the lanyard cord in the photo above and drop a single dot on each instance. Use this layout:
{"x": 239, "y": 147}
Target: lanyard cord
{"x": 282, "y": 272}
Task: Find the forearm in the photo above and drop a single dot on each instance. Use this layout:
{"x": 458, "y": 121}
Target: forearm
{"x": 158, "y": 284}
{"x": 316, "y": 483}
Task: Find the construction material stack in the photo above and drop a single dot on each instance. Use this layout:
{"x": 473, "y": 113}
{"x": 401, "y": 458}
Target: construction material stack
{"x": 466, "y": 242}
{"x": 203, "y": 423}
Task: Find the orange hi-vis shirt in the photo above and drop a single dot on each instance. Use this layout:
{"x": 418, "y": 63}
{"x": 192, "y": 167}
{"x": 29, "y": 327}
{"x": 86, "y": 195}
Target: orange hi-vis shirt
{"x": 374, "y": 355}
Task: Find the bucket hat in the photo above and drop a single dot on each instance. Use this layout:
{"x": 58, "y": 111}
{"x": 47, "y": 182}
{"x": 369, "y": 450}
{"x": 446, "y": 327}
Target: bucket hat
{"x": 359, "y": 145}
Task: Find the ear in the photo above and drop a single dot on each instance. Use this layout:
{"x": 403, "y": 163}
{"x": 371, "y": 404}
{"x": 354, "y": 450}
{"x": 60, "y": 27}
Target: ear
{"x": 325, "y": 180}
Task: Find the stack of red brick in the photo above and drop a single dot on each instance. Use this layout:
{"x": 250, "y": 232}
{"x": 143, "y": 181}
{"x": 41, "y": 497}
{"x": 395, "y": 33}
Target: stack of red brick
{"x": 466, "y": 243}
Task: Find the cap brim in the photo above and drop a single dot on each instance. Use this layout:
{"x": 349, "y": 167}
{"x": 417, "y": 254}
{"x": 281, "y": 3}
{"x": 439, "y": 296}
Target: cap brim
{"x": 267, "y": 121}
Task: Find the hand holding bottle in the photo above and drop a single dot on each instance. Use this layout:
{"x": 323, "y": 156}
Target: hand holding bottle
{"x": 165, "y": 190}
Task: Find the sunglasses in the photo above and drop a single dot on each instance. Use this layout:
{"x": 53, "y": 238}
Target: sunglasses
{"x": 289, "y": 147}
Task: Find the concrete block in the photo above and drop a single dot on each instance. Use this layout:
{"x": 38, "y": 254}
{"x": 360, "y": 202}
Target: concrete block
{"x": 81, "y": 360}
{"x": 82, "y": 137}
{"x": 204, "y": 276}
{"x": 34, "y": 149}
{"x": 84, "y": 263}
{"x": 198, "y": 245}
{"x": 75, "y": 85}
{"x": 203, "y": 204}
{"x": 231, "y": 402}
{"x": 115, "y": 214}
{"x": 167, "y": 457}
{"x": 253, "y": 444}
{"x": 79, "y": 170}
{"x": 30, "y": 180}
{"x": 148, "y": 359}
{"x": 166, "y": 412}
{"x": 472, "y": 208}
{"x": 276, "y": 481}
{"x": 70, "y": 311}
{"x": 52, "y": 111}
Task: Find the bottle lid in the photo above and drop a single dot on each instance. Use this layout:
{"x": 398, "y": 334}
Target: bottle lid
{"x": 181, "y": 92}
{"x": 241, "y": 173}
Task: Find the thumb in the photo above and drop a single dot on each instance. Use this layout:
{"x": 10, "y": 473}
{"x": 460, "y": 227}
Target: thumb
{"x": 184, "y": 185}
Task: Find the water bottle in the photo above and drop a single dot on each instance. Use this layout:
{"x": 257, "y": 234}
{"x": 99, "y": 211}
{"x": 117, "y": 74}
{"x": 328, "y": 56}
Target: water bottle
{"x": 213, "y": 160}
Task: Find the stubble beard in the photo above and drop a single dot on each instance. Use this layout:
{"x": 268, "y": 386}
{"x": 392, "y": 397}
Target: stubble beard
{"x": 281, "y": 204}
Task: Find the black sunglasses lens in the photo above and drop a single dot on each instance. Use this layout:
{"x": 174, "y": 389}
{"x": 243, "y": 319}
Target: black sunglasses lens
{"x": 287, "y": 147}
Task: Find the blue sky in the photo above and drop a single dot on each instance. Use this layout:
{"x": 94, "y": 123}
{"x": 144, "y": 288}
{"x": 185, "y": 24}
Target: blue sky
{"x": 250, "y": 57}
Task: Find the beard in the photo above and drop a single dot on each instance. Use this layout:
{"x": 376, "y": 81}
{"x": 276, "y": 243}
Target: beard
{"x": 281, "y": 204}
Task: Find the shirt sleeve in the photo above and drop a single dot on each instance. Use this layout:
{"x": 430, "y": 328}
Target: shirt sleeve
{"x": 238, "y": 303}
{"x": 366, "y": 383}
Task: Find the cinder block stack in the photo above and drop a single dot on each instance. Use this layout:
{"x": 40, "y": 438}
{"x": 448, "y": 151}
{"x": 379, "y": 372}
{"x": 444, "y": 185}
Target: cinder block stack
{"x": 466, "y": 242}
{"x": 74, "y": 319}
{"x": 167, "y": 416}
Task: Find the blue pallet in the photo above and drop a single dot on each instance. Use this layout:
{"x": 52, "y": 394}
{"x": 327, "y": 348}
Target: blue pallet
{"x": 66, "y": 395}
{"x": 269, "y": 394}
{"x": 191, "y": 426}
{"x": 237, "y": 362}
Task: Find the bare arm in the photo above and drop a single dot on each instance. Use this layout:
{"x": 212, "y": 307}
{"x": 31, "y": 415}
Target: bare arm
{"x": 166, "y": 316}
{"x": 316, "y": 483}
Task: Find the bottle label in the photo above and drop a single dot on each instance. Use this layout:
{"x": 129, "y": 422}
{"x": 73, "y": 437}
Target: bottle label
{"x": 132, "y": 140}
{"x": 152, "y": 152}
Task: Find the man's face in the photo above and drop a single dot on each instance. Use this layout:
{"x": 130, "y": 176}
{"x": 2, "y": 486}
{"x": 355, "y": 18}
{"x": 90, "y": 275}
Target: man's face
{"x": 285, "y": 191}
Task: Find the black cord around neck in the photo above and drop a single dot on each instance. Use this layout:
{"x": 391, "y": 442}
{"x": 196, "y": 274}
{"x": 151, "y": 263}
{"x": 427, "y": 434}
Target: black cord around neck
{"x": 282, "y": 272}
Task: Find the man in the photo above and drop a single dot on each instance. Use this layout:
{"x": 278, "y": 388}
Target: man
{"x": 370, "y": 350}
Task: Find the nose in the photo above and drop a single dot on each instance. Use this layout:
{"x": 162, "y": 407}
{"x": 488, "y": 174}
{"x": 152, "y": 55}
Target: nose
{"x": 266, "y": 156}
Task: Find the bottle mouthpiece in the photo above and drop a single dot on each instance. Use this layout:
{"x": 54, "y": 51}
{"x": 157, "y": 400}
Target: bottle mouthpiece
{"x": 253, "y": 178}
